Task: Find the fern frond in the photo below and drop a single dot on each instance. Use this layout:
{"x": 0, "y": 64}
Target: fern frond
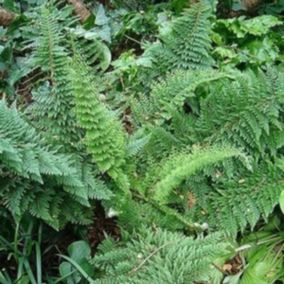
{"x": 188, "y": 43}
{"x": 235, "y": 204}
{"x": 37, "y": 179}
{"x": 136, "y": 143}
{"x": 94, "y": 52}
{"x": 172, "y": 92}
{"x": 53, "y": 103}
{"x": 20, "y": 148}
{"x": 105, "y": 139}
{"x": 245, "y": 113}
{"x": 161, "y": 257}
{"x": 181, "y": 166}
{"x": 96, "y": 188}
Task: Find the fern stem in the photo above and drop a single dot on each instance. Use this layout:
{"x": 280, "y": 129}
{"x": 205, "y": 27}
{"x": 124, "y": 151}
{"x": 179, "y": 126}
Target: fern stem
{"x": 135, "y": 269}
{"x": 192, "y": 227}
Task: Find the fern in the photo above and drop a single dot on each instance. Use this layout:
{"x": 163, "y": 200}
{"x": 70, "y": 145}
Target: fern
{"x": 104, "y": 139}
{"x": 160, "y": 257}
{"x": 179, "y": 86}
{"x": 161, "y": 143}
{"x": 53, "y": 106}
{"x": 136, "y": 144}
{"x": 94, "y": 52}
{"x": 235, "y": 204}
{"x": 187, "y": 45}
{"x": 39, "y": 180}
{"x": 180, "y": 166}
{"x": 245, "y": 113}
{"x": 20, "y": 149}
{"x": 165, "y": 109}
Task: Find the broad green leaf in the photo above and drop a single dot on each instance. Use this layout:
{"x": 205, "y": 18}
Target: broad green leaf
{"x": 79, "y": 251}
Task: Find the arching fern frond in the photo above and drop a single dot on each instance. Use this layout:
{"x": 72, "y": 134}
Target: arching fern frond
{"x": 94, "y": 52}
{"x": 181, "y": 166}
{"x": 171, "y": 93}
{"x": 21, "y": 151}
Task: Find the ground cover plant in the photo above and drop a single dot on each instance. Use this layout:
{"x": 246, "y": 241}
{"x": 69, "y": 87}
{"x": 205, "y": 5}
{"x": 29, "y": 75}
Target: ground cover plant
{"x": 141, "y": 142}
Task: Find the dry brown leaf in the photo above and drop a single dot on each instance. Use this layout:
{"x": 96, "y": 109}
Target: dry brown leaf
{"x": 191, "y": 200}
{"x": 6, "y": 17}
{"x": 80, "y": 9}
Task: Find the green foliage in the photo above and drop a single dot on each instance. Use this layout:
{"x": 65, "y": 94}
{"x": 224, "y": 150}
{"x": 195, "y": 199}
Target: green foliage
{"x": 264, "y": 268}
{"x": 187, "y": 131}
{"x": 264, "y": 257}
{"x": 20, "y": 149}
{"x": 29, "y": 167}
{"x": 80, "y": 253}
{"x": 178, "y": 87}
{"x": 53, "y": 106}
{"x": 246, "y": 114}
{"x": 182, "y": 165}
{"x": 256, "y": 26}
{"x": 104, "y": 138}
{"x": 248, "y": 41}
{"x": 27, "y": 258}
{"x": 281, "y": 201}
{"x": 160, "y": 257}
{"x": 187, "y": 44}
{"x": 257, "y": 194}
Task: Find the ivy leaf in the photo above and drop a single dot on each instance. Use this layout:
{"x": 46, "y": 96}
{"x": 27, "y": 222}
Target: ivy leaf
{"x": 104, "y": 33}
{"x": 101, "y": 18}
